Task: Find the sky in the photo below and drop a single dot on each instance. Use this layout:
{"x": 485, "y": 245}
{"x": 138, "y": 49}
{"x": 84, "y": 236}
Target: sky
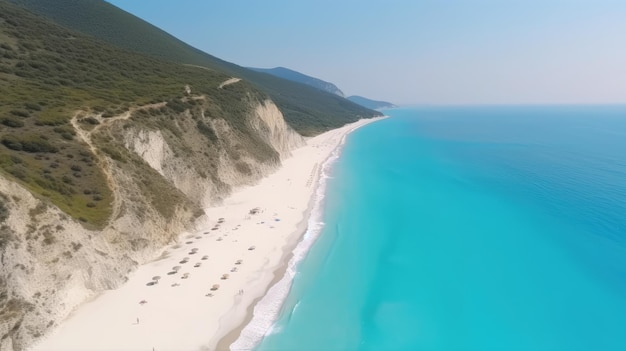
{"x": 418, "y": 51}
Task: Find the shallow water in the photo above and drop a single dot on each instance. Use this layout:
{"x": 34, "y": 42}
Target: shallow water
{"x": 469, "y": 228}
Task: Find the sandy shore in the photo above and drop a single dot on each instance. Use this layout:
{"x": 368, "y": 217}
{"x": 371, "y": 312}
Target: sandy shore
{"x": 221, "y": 271}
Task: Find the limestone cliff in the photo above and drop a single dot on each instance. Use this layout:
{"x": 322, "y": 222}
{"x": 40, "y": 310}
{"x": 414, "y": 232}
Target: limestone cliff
{"x": 163, "y": 166}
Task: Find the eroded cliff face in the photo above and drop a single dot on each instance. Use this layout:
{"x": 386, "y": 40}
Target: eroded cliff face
{"x": 164, "y": 168}
{"x": 208, "y": 171}
{"x": 272, "y": 128}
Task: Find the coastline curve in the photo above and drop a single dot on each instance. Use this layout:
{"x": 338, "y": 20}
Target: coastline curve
{"x": 264, "y": 312}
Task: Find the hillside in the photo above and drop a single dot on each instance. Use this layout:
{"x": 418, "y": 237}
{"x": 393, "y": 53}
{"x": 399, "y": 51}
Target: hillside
{"x": 372, "y": 104}
{"x": 106, "y": 156}
{"x": 306, "y": 109}
{"x": 48, "y": 73}
{"x": 294, "y": 76}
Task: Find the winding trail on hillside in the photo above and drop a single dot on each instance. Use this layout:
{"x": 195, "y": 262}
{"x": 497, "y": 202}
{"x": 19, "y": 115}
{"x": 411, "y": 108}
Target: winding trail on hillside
{"x": 197, "y": 66}
{"x": 228, "y": 82}
{"x": 104, "y": 162}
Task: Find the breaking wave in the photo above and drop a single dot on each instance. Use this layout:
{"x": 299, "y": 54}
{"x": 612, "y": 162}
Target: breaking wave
{"x": 267, "y": 310}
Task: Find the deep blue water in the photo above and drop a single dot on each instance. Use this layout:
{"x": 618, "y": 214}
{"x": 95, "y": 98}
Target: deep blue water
{"x": 469, "y": 228}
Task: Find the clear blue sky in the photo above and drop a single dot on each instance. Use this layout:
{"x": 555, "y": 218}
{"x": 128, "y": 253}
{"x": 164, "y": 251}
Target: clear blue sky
{"x": 414, "y": 51}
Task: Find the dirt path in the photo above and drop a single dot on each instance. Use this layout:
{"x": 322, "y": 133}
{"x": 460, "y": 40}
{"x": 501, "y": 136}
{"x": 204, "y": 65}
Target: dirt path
{"x": 196, "y": 66}
{"x": 105, "y": 162}
{"x": 228, "y": 82}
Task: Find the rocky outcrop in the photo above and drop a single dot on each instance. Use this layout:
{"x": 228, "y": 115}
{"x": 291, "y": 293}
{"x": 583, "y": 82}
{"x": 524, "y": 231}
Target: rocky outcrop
{"x": 51, "y": 263}
{"x": 271, "y": 126}
{"x": 168, "y": 166}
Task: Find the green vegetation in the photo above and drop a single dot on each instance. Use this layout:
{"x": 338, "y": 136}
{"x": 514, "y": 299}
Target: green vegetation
{"x": 373, "y": 104}
{"x": 47, "y": 73}
{"x": 294, "y": 76}
{"x": 308, "y": 110}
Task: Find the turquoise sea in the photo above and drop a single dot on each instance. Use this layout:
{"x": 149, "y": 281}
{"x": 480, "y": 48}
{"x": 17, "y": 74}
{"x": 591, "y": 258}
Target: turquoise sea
{"x": 469, "y": 228}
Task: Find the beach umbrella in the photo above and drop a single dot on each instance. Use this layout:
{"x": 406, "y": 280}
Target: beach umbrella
{"x": 156, "y": 278}
{"x": 215, "y": 287}
{"x": 252, "y": 248}
{"x": 225, "y": 276}
{"x": 176, "y": 268}
{"x": 239, "y": 262}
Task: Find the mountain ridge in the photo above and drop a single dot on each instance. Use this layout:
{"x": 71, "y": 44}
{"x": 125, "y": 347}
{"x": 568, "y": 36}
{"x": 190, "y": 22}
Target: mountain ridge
{"x": 308, "y": 110}
{"x": 296, "y": 76}
{"x": 317, "y": 83}
{"x": 369, "y": 103}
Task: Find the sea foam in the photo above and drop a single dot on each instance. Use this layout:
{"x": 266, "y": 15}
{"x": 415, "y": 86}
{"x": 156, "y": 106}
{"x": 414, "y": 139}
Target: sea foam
{"x": 267, "y": 310}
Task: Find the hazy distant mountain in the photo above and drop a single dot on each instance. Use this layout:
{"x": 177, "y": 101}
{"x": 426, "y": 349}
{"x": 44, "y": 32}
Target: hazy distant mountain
{"x": 308, "y": 110}
{"x": 372, "y": 104}
{"x": 292, "y": 75}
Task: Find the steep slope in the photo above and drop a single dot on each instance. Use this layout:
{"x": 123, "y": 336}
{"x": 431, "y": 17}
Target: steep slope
{"x": 306, "y": 109}
{"x": 373, "y": 104}
{"x": 49, "y": 73}
{"x": 105, "y": 157}
{"x": 294, "y": 76}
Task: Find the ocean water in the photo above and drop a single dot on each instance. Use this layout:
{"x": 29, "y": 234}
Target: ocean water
{"x": 469, "y": 228}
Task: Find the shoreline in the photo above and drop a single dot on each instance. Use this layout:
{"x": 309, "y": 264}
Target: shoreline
{"x": 250, "y": 247}
{"x": 226, "y": 341}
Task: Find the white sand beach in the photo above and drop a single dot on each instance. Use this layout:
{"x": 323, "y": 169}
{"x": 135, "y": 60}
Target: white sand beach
{"x": 220, "y": 270}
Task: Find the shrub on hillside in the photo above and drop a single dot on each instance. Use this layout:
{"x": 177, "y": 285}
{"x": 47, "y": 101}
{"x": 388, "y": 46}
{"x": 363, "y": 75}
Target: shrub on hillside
{"x": 38, "y": 145}
{"x": 12, "y": 122}
{"x": 32, "y": 106}
{"x": 206, "y": 130}
{"x": 12, "y": 142}
{"x": 28, "y": 143}
{"x": 90, "y": 120}
{"x": 177, "y": 105}
{"x": 20, "y": 113}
